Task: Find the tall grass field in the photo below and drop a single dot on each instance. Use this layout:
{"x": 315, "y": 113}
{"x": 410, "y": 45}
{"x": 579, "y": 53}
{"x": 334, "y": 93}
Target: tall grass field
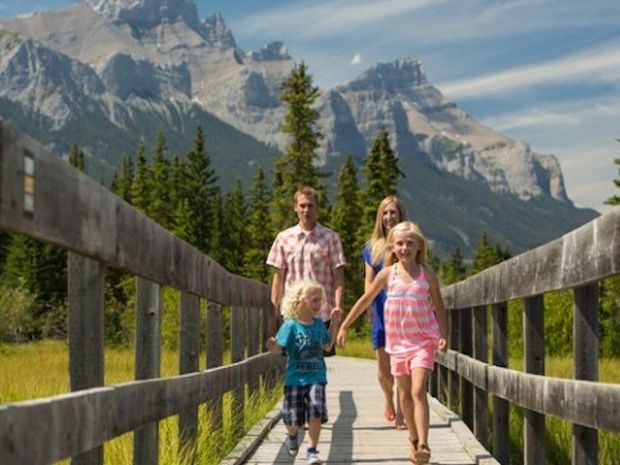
{"x": 40, "y": 369}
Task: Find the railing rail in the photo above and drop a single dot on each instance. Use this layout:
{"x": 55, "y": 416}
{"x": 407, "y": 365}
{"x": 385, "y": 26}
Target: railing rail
{"x": 576, "y": 261}
{"x": 45, "y": 198}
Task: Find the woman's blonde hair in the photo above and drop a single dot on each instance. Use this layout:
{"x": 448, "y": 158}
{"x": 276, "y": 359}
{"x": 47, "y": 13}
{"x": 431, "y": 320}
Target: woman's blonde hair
{"x": 377, "y": 240}
{"x": 412, "y": 230}
{"x": 291, "y": 304}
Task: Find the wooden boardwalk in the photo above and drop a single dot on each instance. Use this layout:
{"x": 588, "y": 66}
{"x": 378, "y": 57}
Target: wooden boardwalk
{"x": 357, "y": 433}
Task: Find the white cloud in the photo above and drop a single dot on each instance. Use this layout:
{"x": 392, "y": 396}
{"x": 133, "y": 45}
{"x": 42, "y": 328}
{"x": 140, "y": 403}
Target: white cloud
{"x": 599, "y": 64}
{"x": 356, "y": 60}
{"x": 327, "y": 17}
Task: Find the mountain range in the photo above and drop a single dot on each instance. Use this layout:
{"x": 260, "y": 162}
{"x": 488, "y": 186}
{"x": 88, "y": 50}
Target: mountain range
{"x": 107, "y": 74}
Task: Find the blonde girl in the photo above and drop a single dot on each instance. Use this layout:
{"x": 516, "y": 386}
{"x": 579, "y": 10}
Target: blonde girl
{"x": 303, "y": 337}
{"x": 389, "y": 213}
{"x": 415, "y": 326}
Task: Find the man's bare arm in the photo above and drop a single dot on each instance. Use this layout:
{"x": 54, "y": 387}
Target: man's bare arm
{"x": 339, "y": 287}
{"x": 277, "y": 292}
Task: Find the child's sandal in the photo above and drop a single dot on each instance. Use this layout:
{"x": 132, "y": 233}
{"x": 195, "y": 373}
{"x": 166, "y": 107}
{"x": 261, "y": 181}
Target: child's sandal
{"x": 422, "y": 454}
{"x": 414, "y": 448}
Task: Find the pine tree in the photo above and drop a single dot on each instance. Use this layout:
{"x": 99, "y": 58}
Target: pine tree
{"x": 258, "y": 230}
{"x": 141, "y": 184}
{"x": 160, "y": 208}
{"x": 296, "y": 167}
{"x": 123, "y": 179}
{"x": 453, "y": 269}
{"x": 183, "y": 222}
{"x": 216, "y": 221}
{"x": 346, "y": 220}
{"x": 234, "y": 236}
{"x": 76, "y": 157}
{"x": 487, "y": 254}
{"x": 382, "y": 176}
{"x": 615, "y": 199}
{"x": 201, "y": 191}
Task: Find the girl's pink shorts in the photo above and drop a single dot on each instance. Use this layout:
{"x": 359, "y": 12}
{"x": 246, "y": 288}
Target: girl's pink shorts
{"x": 402, "y": 364}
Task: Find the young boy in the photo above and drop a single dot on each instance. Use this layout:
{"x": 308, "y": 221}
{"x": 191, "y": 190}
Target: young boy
{"x": 303, "y": 336}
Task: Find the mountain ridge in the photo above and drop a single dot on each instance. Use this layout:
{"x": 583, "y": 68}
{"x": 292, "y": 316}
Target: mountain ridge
{"x": 153, "y": 59}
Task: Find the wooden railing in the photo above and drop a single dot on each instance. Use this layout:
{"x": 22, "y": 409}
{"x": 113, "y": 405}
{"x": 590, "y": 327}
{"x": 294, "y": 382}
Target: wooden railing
{"x": 577, "y": 261}
{"x": 44, "y": 197}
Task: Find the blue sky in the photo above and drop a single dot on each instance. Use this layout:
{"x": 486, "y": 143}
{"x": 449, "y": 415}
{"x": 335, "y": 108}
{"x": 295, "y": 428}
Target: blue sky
{"x": 543, "y": 71}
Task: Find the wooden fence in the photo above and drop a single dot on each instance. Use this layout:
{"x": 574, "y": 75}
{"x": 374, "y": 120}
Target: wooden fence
{"x": 577, "y": 261}
{"x": 45, "y": 198}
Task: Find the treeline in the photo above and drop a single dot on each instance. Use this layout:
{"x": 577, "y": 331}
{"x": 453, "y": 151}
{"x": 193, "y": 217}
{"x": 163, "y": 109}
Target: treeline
{"x": 236, "y": 228}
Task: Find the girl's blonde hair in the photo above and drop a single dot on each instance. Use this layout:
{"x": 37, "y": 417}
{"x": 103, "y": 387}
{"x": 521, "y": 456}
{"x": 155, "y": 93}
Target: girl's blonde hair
{"x": 291, "y": 304}
{"x": 412, "y": 230}
{"x": 377, "y": 240}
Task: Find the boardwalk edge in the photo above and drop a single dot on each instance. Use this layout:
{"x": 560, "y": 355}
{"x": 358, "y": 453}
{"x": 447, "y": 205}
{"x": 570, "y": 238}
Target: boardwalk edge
{"x": 470, "y": 443}
{"x": 253, "y": 438}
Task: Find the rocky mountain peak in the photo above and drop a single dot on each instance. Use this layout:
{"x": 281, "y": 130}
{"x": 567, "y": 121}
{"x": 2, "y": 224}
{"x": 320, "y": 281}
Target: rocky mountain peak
{"x": 145, "y": 14}
{"x": 401, "y": 74}
{"x": 272, "y": 51}
{"x": 217, "y": 33}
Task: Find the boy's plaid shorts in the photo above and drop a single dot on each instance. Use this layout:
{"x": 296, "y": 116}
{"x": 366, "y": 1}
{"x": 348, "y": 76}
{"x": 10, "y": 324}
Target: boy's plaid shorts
{"x": 303, "y": 403}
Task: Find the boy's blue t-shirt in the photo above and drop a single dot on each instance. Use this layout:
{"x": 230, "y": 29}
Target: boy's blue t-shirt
{"x": 304, "y": 350}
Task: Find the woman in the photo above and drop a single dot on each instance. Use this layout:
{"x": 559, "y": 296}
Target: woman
{"x": 389, "y": 214}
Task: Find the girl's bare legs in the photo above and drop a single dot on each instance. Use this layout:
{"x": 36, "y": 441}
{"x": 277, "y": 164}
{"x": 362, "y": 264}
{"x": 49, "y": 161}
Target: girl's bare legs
{"x": 420, "y": 406}
{"x": 400, "y": 419}
{"x": 386, "y": 381}
{"x": 407, "y": 404}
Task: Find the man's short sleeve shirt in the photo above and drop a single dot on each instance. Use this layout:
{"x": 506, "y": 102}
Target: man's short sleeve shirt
{"x": 309, "y": 255}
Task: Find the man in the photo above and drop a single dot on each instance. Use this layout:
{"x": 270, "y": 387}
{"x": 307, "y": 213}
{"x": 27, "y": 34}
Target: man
{"x": 308, "y": 250}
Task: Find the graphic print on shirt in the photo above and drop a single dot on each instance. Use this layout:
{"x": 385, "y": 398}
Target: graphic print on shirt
{"x": 308, "y": 353}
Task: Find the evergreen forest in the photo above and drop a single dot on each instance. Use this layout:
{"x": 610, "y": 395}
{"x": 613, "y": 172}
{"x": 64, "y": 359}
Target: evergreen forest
{"x": 181, "y": 191}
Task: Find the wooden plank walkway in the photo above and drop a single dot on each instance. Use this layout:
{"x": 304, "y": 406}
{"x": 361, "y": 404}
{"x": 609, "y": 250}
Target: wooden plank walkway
{"x": 357, "y": 433}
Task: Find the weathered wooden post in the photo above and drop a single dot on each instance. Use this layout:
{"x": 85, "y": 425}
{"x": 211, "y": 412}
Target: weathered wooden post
{"x": 481, "y": 350}
{"x": 465, "y": 344}
{"x": 585, "y": 359}
{"x": 237, "y": 353}
{"x": 189, "y": 362}
{"x": 214, "y": 357}
{"x": 253, "y": 331}
{"x": 501, "y": 411}
{"x": 453, "y": 377}
{"x": 534, "y": 352}
{"x": 148, "y": 362}
{"x": 86, "y": 333}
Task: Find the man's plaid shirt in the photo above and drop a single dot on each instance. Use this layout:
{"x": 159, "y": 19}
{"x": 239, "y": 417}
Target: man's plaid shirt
{"x": 309, "y": 255}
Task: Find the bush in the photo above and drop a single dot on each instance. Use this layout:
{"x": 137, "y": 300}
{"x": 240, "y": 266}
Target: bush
{"x": 15, "y": 316}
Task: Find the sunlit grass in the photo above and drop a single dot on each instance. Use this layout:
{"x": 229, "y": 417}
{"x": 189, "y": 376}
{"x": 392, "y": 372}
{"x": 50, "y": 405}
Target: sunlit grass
{"x": 40, "y": 369}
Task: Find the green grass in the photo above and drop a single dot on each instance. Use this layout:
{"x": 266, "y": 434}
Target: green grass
{"x": 28, "y": 382}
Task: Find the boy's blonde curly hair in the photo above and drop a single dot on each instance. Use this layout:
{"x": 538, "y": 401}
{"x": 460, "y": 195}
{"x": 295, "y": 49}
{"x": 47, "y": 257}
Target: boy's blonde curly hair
{"x": 291, "y": 304}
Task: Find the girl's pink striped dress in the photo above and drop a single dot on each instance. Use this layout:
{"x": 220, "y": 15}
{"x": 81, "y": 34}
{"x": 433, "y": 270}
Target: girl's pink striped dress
{"x": 411, "y": 328}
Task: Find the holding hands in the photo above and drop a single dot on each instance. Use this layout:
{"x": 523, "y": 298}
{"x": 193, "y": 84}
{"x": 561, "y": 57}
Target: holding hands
{"x": 442, "y": 345}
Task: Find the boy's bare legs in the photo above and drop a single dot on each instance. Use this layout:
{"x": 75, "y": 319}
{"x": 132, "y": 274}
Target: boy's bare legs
{"x": 292, "y": 430}
{"x": 314, "y": 431}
